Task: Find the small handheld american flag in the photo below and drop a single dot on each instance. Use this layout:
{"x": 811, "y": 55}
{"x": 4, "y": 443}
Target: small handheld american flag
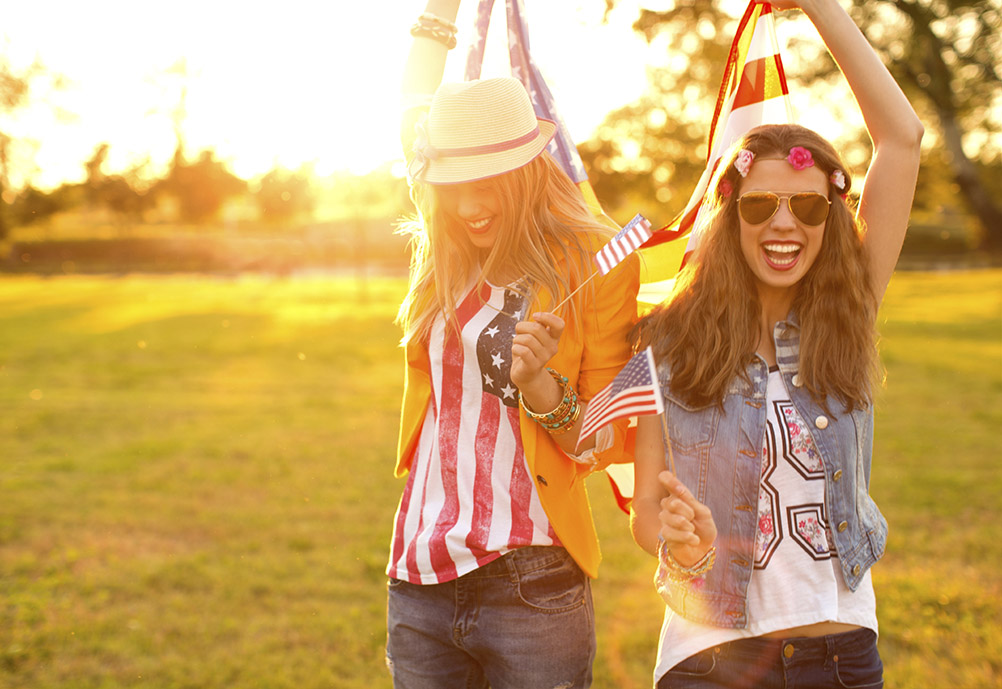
{"x": 626, "y": 241}
{"x": 633, "y": 392}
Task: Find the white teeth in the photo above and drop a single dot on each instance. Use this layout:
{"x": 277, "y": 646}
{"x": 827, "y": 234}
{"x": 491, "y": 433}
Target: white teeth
{"x": 480, "y": 224}
{"x": 781, "y": 248}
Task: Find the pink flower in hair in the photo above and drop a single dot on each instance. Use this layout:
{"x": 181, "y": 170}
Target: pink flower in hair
{"x": 800, "y": 158}
{"x": 726, "y": 188}
{"x": 743, "y": 162}
{"x": 838, "y": 179}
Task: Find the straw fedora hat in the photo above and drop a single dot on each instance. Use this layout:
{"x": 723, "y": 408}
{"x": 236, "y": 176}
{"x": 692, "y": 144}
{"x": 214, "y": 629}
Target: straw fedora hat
{"x": 478, "y": 129}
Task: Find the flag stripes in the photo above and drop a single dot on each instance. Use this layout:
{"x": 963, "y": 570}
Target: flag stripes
{"x": 753, "y": 91}
{"x": 626, "y": 241}
{"x": 633, "y": 392}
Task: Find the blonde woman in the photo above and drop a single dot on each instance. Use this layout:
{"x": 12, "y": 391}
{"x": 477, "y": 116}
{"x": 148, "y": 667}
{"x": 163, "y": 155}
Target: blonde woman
{"x": 493, "y": 541}
{"x": 767, "y": 359}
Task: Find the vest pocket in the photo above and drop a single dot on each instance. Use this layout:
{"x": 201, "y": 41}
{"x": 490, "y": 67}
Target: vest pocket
{"x": 691, "y": 428}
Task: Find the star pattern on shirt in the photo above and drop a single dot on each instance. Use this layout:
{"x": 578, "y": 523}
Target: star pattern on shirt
{"x": 509, "y": 391}
{"x": 488, "y": 381}
{"x": 492, "y": 331}
{"x": 497, "y": 359}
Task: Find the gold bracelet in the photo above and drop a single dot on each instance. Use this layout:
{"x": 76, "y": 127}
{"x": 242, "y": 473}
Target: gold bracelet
{"x": 436, "y": 34}
{"x": 434, "y": 19}
{"x": 566, "y": 413}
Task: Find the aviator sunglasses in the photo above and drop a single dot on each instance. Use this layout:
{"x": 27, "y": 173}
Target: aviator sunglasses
{"x": 809, "y": 207}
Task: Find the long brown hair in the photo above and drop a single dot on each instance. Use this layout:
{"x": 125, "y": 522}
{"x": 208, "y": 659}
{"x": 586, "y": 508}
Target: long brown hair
{"x": 544, "y": 226}
{"x": 708, "y": 329}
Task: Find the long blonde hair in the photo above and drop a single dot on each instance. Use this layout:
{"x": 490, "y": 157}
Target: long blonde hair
{"x": 544, "y": 225}
{"x": 708, "y": 329}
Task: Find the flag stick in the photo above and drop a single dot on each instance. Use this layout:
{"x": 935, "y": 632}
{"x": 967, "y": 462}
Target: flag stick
{"x": 567, "y": 298}
{"x": 664, "y": 430}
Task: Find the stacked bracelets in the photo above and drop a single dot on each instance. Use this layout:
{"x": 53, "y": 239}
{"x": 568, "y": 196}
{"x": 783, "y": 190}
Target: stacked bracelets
{"x": 567, "y": 412}
{"x": 436, "y": 28}
{"x": 679, "y": 574}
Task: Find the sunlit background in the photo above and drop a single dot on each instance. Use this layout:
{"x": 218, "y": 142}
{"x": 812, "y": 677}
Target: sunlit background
{"x": 264, "y": 84}
{"x": 288, "y": 112}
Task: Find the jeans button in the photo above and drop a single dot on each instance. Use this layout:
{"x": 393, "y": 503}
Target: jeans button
{"x": 788, "y": 650}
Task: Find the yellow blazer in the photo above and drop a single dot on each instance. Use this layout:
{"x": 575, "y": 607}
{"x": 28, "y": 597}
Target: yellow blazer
{"x": 590, "y": 355}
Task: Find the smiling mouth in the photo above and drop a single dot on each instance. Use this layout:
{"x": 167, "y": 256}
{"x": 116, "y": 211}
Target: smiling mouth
{"x": 781, "y": 256}
{"x": 479, "y": 226}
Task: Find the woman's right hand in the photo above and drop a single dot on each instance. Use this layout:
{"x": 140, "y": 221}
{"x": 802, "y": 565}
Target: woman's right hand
{"x": 687, "y": 525}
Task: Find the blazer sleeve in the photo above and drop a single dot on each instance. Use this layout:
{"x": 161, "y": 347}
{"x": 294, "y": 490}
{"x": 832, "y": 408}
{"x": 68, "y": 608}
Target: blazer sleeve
{"x": 607, "y": 322}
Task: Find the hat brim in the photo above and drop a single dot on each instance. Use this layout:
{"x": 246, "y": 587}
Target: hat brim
{"x": 460, "y": 169}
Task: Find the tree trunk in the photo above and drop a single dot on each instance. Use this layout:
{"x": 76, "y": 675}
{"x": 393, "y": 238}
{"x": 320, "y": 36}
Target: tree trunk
{"x": 966, "y": 175}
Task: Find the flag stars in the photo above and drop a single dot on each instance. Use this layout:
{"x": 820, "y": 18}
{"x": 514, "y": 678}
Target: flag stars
{"x": 488, "y": 381}
{"x": 497, "y": 360}
{"x": 509, "y": 391}
{"x": 492, "y": 331}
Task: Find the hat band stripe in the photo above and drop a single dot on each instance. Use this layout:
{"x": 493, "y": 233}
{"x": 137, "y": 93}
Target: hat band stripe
{"x": 499, "y": 147}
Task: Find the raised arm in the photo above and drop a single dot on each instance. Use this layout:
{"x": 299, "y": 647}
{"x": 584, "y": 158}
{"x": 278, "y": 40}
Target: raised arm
{"x": 424, "y": 68}
{"x": 893, "y": 127}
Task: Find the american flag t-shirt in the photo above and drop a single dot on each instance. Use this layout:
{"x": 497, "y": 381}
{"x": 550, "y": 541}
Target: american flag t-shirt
{"x": 469, "y": 497}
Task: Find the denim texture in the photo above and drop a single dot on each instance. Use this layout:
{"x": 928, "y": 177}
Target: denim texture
{"x": 523, "y": 621}
{"x": 717, "y": 454}
{"x": 839, "y": 661}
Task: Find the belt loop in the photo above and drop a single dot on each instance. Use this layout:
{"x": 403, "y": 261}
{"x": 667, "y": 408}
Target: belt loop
{"x": 509, "y": 560}
{"x": 830, "y": 650}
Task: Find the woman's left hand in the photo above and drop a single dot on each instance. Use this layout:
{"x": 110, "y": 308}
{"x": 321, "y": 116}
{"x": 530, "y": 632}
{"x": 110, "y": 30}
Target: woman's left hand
{"x": 535, "y": 343}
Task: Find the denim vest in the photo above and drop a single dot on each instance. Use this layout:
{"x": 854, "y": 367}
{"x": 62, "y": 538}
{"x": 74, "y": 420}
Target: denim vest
{"x": 718, "y": 455}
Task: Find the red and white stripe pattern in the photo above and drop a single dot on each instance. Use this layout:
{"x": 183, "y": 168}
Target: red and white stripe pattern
{"x": 626, "y": 241}
{"x": 469, "y": 497}
{"x": 753, "y": 92}
{"x": 633, "y": 392}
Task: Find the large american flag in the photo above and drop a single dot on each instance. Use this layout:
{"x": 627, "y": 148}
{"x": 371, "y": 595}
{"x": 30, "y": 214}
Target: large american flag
{"x": 633, "y": 392}
{"x": 524, "y": 68}
{"x": 626, "y": 241}
{"x": 752, "y": 92}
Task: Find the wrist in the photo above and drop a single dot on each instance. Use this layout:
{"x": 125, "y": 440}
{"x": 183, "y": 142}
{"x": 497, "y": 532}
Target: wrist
{"x": 541, "y": 393}
{"x": 682, "y": 572}
{"x": 559, "y": 406}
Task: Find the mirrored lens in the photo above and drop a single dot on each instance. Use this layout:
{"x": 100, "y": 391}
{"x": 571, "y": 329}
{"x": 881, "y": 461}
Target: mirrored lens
{"x": 758, "y": 206}
{"x": 810, "y": 208}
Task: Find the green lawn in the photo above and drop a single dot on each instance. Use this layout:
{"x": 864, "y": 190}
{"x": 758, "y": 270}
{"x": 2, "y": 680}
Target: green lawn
{"x": 196, "y": 486}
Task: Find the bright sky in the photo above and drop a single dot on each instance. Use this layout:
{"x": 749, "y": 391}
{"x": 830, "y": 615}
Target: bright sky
{"x": 285, "y": 82}
{"x": 288, "y": 83}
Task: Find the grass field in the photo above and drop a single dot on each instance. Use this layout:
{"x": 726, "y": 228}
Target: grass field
{"x": 196, "y": 486}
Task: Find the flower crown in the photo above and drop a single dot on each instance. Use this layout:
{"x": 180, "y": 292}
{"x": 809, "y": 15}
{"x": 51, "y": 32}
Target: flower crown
{"x": 799, "y": 158}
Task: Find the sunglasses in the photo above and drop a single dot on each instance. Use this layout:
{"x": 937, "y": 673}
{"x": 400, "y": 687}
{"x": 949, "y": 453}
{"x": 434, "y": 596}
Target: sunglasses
{"x": 809, "y": 207}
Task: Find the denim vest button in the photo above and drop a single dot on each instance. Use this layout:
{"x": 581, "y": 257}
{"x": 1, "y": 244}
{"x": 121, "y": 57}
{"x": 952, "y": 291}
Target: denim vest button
{"x": 821, "y": 422}
{"x": 855, "y": 571}
{"x": 797, "y": 382}
{"x": 788, "y": 650}
{"x": 837, "y": 476}
{"x": 843, "y": 526}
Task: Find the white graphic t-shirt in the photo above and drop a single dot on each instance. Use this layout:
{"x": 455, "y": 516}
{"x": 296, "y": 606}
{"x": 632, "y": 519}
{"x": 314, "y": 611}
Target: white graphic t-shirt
{"x": 797, "y": 578}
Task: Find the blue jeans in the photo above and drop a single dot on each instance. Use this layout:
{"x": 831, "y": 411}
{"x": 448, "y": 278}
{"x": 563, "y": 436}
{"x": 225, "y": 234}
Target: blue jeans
{"x": 842, "y": 660}
{"x": 524, "y": 620}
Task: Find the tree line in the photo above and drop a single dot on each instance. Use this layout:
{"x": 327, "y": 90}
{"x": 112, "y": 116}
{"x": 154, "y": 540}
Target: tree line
{"x": 647, "y": 155}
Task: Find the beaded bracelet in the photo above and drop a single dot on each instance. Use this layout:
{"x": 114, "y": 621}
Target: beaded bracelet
{"x": 565, "y": 415}
{"x": 676, "y": 571}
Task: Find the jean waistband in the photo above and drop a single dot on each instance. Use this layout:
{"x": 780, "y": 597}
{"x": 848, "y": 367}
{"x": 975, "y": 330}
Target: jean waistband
{"x": 520, "y": 561}
{"x": 803, "y": 649}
